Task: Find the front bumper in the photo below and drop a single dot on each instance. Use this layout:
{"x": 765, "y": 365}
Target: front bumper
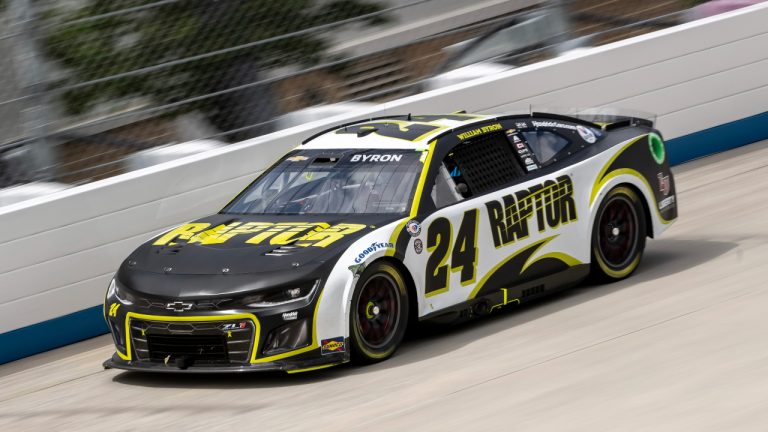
{"x": 290, "y": 366}
{"x": 212, "y": 342}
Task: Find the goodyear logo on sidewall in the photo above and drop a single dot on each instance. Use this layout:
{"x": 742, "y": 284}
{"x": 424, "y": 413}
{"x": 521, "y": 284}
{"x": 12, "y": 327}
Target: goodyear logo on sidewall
{"x": 479, "y": 131}
{"x": 332, "y": 346}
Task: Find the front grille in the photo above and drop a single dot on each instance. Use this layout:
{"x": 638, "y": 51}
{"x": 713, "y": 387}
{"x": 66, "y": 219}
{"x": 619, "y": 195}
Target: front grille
{"x": 204, "y": 342}
{"x": 207, "y": 349}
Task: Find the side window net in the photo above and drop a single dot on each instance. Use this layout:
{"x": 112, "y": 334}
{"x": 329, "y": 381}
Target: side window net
{"x": 486, "y": 163}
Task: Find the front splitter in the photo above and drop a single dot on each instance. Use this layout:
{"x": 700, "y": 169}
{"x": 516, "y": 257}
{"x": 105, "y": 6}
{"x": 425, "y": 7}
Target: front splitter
{"x": 288, "y": 366}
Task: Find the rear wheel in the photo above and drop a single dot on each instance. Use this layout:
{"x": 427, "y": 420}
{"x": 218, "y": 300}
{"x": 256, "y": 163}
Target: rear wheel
{"x": 379, "y": 314}
{"x": 618, "y": 235}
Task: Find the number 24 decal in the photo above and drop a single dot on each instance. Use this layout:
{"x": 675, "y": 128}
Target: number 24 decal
{"x": 463, "y": 256}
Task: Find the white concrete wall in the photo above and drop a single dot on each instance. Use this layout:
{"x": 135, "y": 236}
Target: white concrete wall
{"x": 57, "y": 253}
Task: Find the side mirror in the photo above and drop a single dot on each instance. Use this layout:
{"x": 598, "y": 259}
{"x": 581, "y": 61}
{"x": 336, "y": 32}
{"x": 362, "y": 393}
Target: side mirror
{"x": 462, "y": 188}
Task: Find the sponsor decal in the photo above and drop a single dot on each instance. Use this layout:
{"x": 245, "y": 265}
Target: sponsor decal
{"x": 297, "y": 158}
{"x": 234, "y": 326}
{"x": 516, "y": 140}
{"x": 113, "y": 309}
{"x": 586, "y": 134}
{"x": 317, "y": 234}
{"x": 520, "y": 146}
{"x": 666, "y": 202}
{"x": 178, "y": 306}
{"x": 528, "y": 161}
{"x": 531, "y": 167}
{"x": 332, "y": 346}
{"x": 377, "y": 158}
{"x": 418, "y": 246}
{"x": 413, "y": 227}
{"x": 552, "y": 124}
{"x": 550, "y": 204}
{"x": 397, "y": 129}
{"x": 521, "y": 125}
{"x": 371, "y": 249}
{"x": 290, "y": 316}
{"x": 664, "y": 184}
{"x": 479, "y": 131}
{"x": 522, "y": 152}
{"x": 656, "y": 146}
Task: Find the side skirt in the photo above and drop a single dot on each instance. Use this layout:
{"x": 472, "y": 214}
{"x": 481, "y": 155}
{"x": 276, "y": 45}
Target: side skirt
{"x": 514, "y": 295}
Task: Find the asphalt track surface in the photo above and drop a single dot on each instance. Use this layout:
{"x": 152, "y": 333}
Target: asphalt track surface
{"x": 680, "y": 346}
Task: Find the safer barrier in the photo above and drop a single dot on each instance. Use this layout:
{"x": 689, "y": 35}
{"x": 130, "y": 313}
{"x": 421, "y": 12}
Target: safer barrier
{"x": 707, "y": 81}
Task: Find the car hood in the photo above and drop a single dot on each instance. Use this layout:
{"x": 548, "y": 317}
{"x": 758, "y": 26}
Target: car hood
{"x": 210, "y": 256}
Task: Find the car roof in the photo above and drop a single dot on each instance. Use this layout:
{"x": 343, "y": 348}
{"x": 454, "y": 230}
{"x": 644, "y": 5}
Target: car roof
{"x": 392, "y": 132}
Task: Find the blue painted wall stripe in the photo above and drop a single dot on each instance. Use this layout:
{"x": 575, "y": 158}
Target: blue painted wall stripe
{"x": 718, "y": 139}
{"x": 51, "y": 334}
{"x": 89, "y": 323}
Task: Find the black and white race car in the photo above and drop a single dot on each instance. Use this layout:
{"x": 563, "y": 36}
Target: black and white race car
{"x": 329, "y": 254}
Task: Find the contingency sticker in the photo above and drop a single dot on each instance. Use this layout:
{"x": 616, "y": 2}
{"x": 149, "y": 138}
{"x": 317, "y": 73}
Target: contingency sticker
{"x": 332, "y": 346}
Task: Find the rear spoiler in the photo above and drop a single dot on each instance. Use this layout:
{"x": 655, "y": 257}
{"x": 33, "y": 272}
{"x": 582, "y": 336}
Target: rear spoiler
{"x": 605, "y": 118}
{"x": 615, "y": 122}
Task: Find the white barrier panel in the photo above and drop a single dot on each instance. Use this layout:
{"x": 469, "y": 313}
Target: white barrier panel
{"x": 58, "y": 253}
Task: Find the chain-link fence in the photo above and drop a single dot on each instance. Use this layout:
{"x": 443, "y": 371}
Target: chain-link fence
{"x": 87, "y": 83}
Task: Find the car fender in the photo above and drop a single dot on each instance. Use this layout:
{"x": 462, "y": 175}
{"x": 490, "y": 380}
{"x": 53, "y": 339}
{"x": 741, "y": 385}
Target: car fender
{"x": 336, "y": 297}
{"x": 606, "y": 178}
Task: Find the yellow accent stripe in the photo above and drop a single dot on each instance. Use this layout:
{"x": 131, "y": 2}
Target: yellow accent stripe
{"x": 393, "y": 237}
{"x": 432, "y": 132}
{"x": 495, "y": 268}
{"x": 564, "y": 257}
{"x": 416, "y": 198}
{"x": 403, "y": 126}
{"x": 312, "y": 346}
{"x": 422, "y": 179}
{"x": 631, "y": 172}
{"x": 293, "y": 371}
{"x": 599, "y": 181}
{"x": 162, "y": 318}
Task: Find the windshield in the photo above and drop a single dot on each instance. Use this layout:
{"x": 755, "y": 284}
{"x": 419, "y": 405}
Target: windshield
{"x": 334, "y": 181}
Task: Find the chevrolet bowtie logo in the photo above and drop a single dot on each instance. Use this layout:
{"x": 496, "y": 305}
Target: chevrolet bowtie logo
{"x": 178, "y": 306}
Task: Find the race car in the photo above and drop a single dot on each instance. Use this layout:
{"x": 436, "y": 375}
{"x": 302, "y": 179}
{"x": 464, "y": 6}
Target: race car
{"x": 331, "y": 253}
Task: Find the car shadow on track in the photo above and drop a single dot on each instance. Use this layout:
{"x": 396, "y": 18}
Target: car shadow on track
{"x": 663, "y": 257}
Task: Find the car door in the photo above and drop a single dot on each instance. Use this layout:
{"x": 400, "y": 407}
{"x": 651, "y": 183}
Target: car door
{"x": 493, "y": 223}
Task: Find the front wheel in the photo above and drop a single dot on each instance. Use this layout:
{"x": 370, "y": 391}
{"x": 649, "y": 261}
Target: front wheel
{"x": 618, "y": 235}
{"x": 379, "y": 314}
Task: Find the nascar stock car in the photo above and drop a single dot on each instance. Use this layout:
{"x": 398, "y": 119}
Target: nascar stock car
{"x": 330, "y": 253}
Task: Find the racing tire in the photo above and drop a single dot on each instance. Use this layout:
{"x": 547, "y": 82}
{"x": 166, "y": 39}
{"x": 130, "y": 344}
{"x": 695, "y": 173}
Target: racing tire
{"x": 378, "y": 314}
{"x": 618, "y": 235}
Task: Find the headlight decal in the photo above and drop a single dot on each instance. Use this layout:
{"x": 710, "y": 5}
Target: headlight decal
{"x": 281, "y": 296}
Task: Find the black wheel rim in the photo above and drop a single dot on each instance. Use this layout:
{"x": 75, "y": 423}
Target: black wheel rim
{"x": 378, "y": 311}
{"x": 617, "y": 232}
